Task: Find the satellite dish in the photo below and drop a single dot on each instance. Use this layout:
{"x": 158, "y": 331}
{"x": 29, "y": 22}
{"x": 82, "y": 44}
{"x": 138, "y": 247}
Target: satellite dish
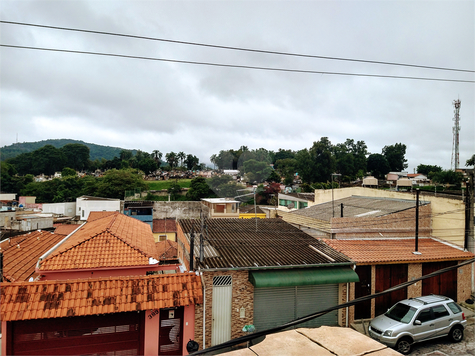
{"x": 290, "y": 205}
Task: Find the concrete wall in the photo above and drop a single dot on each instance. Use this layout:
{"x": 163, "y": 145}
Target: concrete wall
{"x": 448, "y": 215}
{"x": 65, "y": 209}
{"x": 84, "y": 207}
{"x": 6, "y": 218}
{"x": 178, "y": 209}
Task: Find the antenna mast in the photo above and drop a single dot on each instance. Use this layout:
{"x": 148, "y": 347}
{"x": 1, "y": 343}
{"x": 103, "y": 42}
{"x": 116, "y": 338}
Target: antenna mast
{"x": 456, "y": 129}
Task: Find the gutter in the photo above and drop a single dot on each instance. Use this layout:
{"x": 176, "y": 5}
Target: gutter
{"x": 47, "y": 253}
{"x": 339, "y": 264}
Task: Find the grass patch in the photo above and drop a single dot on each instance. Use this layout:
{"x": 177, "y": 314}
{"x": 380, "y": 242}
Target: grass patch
{"x": 165, "y": 184}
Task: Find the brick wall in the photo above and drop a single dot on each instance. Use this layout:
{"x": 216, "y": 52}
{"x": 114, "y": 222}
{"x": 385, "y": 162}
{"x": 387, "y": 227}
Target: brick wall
{"x": 464, "y": 282}
{"x": 414, "y": 270}
{"x": 243, "y": 297}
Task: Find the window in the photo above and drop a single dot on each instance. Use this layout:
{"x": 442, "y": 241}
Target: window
{"x": 454, "y": 307}
{"x": 425, "y": 315}
{"x": 401, "y": 312}
{"x": 162, "y": 237}
{"x": 440, "y": 311}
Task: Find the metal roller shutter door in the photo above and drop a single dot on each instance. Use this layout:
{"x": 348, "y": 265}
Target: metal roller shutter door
{"x": 276, "y": 306}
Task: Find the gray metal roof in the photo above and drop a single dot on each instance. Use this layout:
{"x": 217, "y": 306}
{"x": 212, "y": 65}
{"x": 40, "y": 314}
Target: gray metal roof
{"x": 237, "y": 243}
{"x": 358, "y": 206}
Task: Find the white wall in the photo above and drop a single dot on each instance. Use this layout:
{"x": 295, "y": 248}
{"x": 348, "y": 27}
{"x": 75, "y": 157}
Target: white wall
{"x": 84, "y": 207}
{"x": 65, "y": 209}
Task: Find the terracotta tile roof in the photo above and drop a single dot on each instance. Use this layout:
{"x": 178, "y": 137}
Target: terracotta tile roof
{"x": 65, "y": 229}
{"x": 54, "y": 299}
{"x": 19, "y": 261}
{"x": 239, "y": 243}
{"x": 111, "y": 241}
{"x": 164, "y": 225}
{"x": 249, "y": 209}
{"x": 167, "y": 249}
{"x": 369, "y": 251}
{"x": 94, "y": 215}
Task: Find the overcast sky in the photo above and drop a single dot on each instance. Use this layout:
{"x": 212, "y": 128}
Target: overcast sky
{"x": 169, "y": 106}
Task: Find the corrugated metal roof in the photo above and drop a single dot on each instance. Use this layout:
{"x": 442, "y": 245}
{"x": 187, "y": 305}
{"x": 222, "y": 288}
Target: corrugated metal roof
{"x": 240, "y": 243}
{"x": 355, "y": 206}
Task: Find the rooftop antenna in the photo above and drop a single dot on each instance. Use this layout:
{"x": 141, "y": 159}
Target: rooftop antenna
{"x": 456, "y": 129}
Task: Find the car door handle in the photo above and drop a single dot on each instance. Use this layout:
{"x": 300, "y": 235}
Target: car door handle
{"x": 431, "y": 324}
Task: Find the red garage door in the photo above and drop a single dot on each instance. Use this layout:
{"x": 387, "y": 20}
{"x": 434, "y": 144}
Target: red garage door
{"x": 111, "y": 334}
{"x": 388, "y": 276}
{"x": 443, "y": 284}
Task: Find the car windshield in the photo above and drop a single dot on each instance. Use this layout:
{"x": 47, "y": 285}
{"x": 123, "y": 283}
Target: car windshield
{"x": 401, "y": 312}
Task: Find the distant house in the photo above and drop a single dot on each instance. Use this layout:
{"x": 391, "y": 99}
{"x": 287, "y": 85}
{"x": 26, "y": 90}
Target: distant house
{"x": 289, "y": 201}
{"x": 370, "y": 181}
{"x": 140, "y": 210}
{"x": 251, "y": 212}
{"x": 265, "y": 274}
{"x": 164, "y": 229}
{"x": 85, "y": 204}
{"x": 384, "y": 263}
{"x": 222, "y": 207}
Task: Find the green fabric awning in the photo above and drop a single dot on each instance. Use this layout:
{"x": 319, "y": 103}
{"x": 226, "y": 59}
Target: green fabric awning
{"x": 302, "y": 277}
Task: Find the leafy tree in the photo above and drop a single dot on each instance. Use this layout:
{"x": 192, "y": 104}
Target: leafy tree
{"x": 378, "y": 165}
{"x": 274, "y": 177}
{"x": 316, "y": 164}
{"x": 283, "y": 154}
{"x": 192, "y": 162}
{"x": 286, "y": 167}
{"x": 125, "y": 155}
{"x": 395, "y": 155}
{"x": 68, "y": 172}
{"x": 147, "y": 165}
{"x": 174, "y": 190}
{"x": 77, "y": 156}
{"x": 116, "y": 182}
{"x": 447, "y": 177}
{"x": 7, "y": 171}
{"x": 48, "y": 160}
{"x": 171, "y": 159}
{"x": 470, "y": 161}
{"x": 199, "y": 188}
{"x": 157, "y": 156}
{"x": 427, "y": 169}
{"x": 181, "y": 156}
{"x": 256, "y": 171}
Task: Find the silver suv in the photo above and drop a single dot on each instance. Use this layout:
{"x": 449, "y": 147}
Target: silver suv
{"x": 418, "y": 319}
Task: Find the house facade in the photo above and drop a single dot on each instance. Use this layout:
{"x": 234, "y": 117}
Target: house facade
{"x": 222, "y": 207}
{"x": 105, "y": 288}
{"x": 384, "y": 263}
{"x": 263, "y": 272}
{"x": 86, "y": 204}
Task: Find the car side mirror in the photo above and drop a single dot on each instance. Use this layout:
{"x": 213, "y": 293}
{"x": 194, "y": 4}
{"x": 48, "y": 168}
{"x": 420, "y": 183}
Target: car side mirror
{"x": 417, "y": 322}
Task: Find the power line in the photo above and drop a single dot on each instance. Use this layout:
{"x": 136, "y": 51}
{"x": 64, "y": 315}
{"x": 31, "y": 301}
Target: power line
{"x": 236, "y": 65}
{"x": 238, "y": 48}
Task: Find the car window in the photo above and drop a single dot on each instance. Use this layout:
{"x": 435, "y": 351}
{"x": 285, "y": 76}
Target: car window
{"x": 454, "y": 307}
{"x": 425, "y": 315}
{"x": 440, "y": 311}
{"x": 401, "y": 312}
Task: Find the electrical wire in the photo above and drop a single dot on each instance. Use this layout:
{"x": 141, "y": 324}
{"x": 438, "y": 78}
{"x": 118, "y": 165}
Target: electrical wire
{"x": 237, "y": 66}
{"x": 236, "y": 48}
{"x": 312, "y": 316}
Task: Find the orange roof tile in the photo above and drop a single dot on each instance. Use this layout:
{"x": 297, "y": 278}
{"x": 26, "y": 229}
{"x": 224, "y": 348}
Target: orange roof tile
{"x": 369, "y": 251}
{"x": 65, "y": 229}
{"x": 52, "y": 299}
{"x": 94, "y": 215}
{"x": 111, "y": 241}
{"x": 19, "y": 260}
{"x": 167, "y": 249}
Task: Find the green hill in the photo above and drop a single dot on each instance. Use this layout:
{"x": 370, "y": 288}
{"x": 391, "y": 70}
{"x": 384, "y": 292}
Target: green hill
{"x": 96, "y": 151}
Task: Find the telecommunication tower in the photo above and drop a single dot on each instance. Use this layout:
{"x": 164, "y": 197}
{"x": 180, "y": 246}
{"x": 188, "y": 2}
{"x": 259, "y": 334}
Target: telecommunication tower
{"x": 456, "y": 129}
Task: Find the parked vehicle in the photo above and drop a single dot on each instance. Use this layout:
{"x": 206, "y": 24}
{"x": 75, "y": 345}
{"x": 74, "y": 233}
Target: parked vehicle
{"x": 418, "y": 319}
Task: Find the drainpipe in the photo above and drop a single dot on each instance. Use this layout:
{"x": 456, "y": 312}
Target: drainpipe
{"x": 204, "y": 307}
{"x": 347, "y": 296}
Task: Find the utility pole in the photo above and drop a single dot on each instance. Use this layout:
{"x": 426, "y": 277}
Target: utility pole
{"x": 456, "y": 129}
{"x": 469, "y": 238}
{"x": 416, "y": 252}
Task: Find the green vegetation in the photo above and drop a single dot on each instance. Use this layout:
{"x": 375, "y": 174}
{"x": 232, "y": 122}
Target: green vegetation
{"x": 166, "y": 184}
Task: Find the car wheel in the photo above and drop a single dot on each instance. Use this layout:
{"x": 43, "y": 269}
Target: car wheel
{"x": 456, "y": 334}
{"x": 404, "y": 345}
